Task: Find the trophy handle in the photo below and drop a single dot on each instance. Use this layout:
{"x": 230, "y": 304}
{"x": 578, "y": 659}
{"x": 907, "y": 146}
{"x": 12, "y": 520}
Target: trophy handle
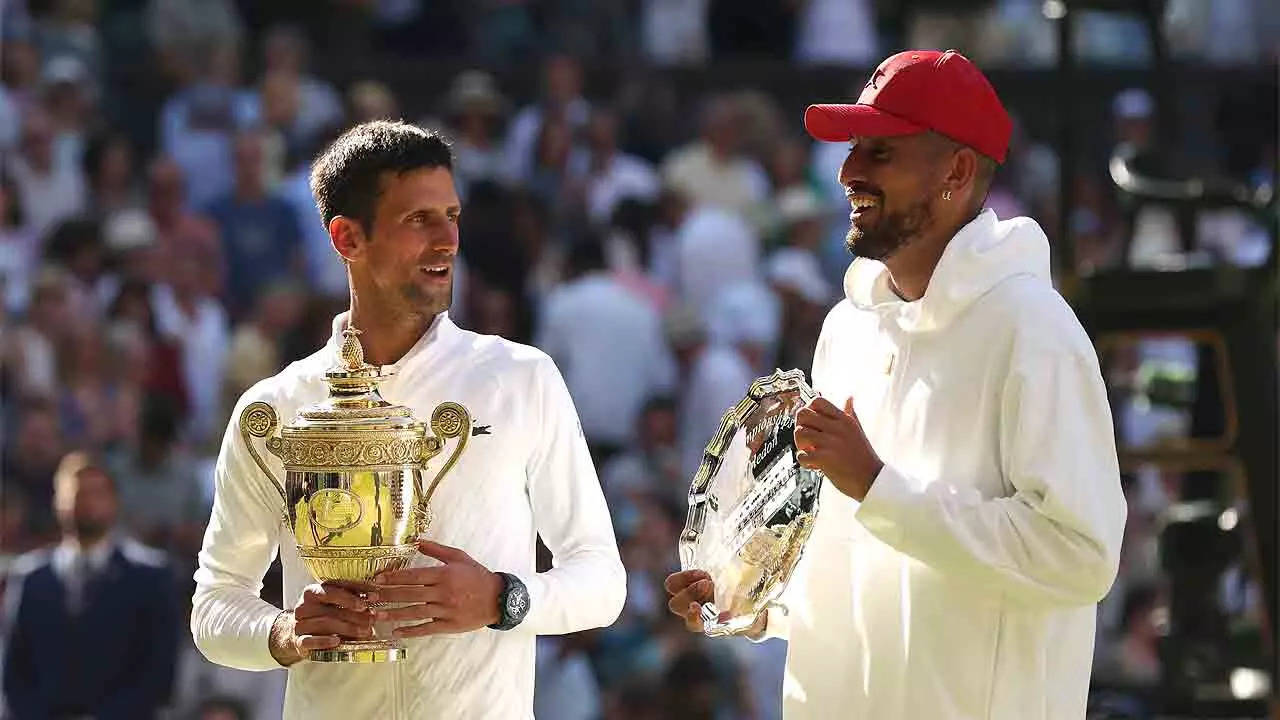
{"x": 449, "y": 420}
{"x": 260, "y": 420}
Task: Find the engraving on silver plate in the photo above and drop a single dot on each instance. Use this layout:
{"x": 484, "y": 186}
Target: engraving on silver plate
{"x": 751, "y": 505}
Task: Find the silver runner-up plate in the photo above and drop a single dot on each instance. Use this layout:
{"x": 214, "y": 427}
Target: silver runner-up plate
{"x": 751, "y": 505}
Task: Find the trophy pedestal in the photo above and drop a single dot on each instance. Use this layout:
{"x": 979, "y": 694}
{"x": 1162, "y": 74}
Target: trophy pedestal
{"x": 369, "y": 651}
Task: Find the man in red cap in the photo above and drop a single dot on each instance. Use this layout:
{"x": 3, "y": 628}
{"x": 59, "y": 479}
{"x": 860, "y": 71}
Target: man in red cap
{"x": 973, "y": 513}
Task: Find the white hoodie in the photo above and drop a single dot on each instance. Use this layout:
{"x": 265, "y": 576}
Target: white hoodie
{"x": 965, "y": 584}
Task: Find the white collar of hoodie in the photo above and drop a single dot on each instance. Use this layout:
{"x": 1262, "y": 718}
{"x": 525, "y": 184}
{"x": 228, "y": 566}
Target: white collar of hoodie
{"x": 981, "y": 255}
{"x": 441, "y": 328}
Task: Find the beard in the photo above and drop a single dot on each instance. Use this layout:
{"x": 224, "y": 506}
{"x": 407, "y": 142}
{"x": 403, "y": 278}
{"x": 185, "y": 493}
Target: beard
{"x": 90, "y": 529}
{"x": 426, "y": 302}
{"x": 891, "y": 233}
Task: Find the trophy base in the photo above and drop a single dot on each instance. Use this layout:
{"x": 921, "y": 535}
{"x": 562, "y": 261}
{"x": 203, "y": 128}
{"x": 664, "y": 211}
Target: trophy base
{"x": 375, "y": 651}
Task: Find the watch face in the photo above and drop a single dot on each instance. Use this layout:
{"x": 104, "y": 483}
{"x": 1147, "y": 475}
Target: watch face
{"x": 517, "y": 602}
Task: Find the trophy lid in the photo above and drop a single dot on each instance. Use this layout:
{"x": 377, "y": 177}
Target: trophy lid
{"x": 354, "y": 402}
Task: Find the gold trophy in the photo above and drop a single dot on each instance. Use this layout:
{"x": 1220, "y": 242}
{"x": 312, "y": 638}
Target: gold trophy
{"x": 354, "y": 491}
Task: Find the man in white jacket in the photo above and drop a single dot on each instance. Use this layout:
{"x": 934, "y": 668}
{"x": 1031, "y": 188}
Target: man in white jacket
{"x": 386, "y": 193}
{"x": 973, "y": 515}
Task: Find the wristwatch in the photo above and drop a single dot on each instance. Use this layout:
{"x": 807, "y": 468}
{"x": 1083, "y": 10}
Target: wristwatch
{"x": 513, "y": 602}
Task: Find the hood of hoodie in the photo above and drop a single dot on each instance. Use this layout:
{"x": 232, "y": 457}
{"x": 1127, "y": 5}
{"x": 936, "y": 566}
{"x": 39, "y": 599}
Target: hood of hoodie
{"x": 983, "y": 254}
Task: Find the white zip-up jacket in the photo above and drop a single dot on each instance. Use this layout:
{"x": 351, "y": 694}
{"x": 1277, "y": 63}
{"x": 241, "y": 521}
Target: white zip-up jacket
{"x": 526, "y": 473}
{"x": 965, "y": 584}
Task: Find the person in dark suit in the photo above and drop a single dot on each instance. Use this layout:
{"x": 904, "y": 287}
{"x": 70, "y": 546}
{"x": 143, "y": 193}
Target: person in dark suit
{"x": 92, "y": 624}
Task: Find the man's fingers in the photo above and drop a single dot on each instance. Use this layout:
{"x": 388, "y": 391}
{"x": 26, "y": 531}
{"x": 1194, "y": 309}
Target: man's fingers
{"x": 413, "y": 593}
{"x": 848, "y": 408}
{"x": 811, "y": 459}
{"x": 693, "y": 617}
{"x": 318, "y": 642}
{"x": 824, "y": 407}
{"x": 700, "y": 591}
{"x": 420, "y": 612}
{"x": 309, "y": 612}
{"x": 681, "y": 580}
{"x": 409, "y": 576}
{"x": 330, "y": 625}
{"x": 437, "y": 627}
{"x": 443, "y": 553}
{"x": 808, "y": 438}
{"x": 331, "y": 594}
{"x": 812, "y": 419}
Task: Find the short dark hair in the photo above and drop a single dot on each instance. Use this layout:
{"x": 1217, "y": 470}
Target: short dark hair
{"x": 345, "y": 179}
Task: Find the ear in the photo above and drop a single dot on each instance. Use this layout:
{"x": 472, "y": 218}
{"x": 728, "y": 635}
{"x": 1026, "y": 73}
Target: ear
{"x": 348, "y": 237}
{"x": 962, "y": 170}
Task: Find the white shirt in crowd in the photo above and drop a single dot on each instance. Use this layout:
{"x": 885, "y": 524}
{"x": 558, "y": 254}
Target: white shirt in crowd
{"x": 736, "y": 183}
{"x": 49, "y": 197}
{"x": 609, "y": 343}
{"x": 966, "y": 583}
{"x": 837, "y": 32}
{"x": 528, "y": 475}
{"x": 714, "y": 249}
{"x": 674, "y": 32}
{"x": 204, "y": 336}
{"x": 624, "y": 176}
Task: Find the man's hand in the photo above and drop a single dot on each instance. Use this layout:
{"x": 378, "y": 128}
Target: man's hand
{"x": 833, "y": 442}
{"x": 689, "y": 589}
{"x": 457, "y": 597}
{"x": 325, "y": 615}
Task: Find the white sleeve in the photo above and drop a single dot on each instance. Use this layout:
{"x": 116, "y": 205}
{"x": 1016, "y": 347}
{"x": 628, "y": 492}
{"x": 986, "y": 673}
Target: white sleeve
{"x": 229, "y": 621}
{"x": 1056, "y": 540}
{"x": 587, "y": 585}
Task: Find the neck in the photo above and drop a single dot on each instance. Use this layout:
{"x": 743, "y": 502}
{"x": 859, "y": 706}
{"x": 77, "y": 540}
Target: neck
{"x": 911, "y": 268}
{"x": 86, "y": 543}
{"x": 386, "y": 334}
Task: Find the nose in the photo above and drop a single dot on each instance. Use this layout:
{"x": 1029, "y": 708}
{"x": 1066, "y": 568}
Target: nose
{"x": 854, "y": 168}
{"x": 446, "y": 240}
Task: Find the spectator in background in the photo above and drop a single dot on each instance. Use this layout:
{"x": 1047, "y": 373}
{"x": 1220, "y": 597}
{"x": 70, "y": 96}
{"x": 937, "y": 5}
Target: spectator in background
{"x": 608, "y": 344}
{"x": 712, "y": 237}
{"x": 651, "y": 464}
{"x": 183, "y": 31}
{"x": 109, "y": 170}
{"x": 371, "y": 100}
{"x": 565, "y": 686}
{"x": 191, "y": 317}
{"x": 95, "y": 624}
{"x": 561, "y": 98}
{"x": 286, "y": 55}
{"x": 32, "y": 350}
{"x": 606, "y": 174}
{"x": 255, "y": 344}
{"x": 179, "y": 231}
{"x": 19, "y": 75}
{"x": 474, "y": 110}
{"x": 70, "y": 31}
{"x": 67, "y": 95}
{"x": 31, "y": 455}
{"x": 837, "y": 32}
{"x": 712, "y": 170}
{"x": 674, "y": 32}
{"x": 794, "y": 272}
{"x": 19, "y": 250}
{"x": 259, "y": 230}
{"x": 161, "y": 494}
{"x": 199, "y": 123}
{"x": 50, "y": 190}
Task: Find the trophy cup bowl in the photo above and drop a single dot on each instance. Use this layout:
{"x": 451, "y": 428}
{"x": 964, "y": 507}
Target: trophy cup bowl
{"x": 356, "y": 492}
{"x": 751, "y": 504}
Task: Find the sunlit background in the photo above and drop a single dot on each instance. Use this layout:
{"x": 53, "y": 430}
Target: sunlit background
{"x": 160, "y": 252}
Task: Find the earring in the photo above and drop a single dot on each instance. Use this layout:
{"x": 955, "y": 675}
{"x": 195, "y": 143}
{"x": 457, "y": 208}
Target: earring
{"x": 946, "y": 195}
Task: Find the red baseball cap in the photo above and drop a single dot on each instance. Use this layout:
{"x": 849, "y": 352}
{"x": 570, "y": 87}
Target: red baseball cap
{"x": 916, "y": 91}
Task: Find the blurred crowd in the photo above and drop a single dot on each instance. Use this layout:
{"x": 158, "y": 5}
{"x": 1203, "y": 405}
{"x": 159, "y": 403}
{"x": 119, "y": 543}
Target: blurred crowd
{"x": 156, "y": 262}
